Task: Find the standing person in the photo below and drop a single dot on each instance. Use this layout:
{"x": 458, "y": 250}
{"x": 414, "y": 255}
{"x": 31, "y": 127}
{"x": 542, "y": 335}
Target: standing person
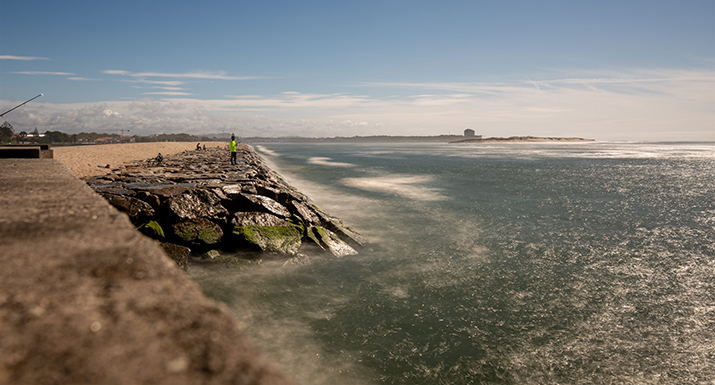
{"x": 232, "y": 145}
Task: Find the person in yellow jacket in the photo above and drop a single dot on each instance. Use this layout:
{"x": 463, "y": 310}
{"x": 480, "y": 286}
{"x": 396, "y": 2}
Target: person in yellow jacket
{"x": 232, "y": 146}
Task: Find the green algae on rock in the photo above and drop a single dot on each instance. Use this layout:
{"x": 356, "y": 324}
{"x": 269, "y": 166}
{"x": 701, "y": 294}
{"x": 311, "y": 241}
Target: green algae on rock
{"x": 274, "y": 239}
{"x": 152, "y": 229}
{"x": 198, "y": 231}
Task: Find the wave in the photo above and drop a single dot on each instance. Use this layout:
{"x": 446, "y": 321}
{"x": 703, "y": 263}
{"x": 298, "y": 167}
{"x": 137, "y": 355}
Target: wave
{"x": 266, "y": 151}
{"x": 324, "y": 161}
{"x": 406, "y": 186}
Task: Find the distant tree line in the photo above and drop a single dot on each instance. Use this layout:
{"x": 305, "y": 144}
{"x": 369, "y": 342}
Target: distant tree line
{"x": 172, "y": 138}
{"x": 8, "y": 135}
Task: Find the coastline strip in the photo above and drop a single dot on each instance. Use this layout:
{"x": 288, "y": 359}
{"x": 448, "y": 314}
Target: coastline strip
{"x": 84, "y": 161}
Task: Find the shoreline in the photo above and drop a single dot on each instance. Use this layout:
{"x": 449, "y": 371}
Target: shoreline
{"x": 521, "y": 139}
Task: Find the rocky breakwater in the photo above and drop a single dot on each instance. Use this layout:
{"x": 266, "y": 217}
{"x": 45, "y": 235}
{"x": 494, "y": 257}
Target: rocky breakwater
{"x": 197, "y": 204}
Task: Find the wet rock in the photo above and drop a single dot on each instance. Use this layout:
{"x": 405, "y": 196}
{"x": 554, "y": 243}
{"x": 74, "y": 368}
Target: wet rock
{"x": 333, "y": 224}
{"x": 180, "y": 254}
{"x": 303, "y": 212}
{"x": 149, "y": 198}
{"x": 169, "y": 191}
{"x": 257, "y": 219}
{"x": 138, "y": 211}
{"x": 326, "y": 239}
{"x": 263, "y": 203}
{"x": 195, "y": 203}
{"x": 232, "y": 190}
{"x": 198, "y": 231}
{"x": 267, "y": 232}
{"x": 211, "y": 254}
{"x": 273, "y": 239}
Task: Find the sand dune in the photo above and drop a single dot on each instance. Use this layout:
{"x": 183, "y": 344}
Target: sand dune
{"x": 85, "y": 160}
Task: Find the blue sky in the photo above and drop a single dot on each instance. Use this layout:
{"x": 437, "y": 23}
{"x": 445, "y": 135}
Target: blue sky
{"x": 609, "y": 70}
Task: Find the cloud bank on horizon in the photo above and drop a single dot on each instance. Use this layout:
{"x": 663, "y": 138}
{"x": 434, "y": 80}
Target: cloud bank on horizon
{"x": 642, "y": 71}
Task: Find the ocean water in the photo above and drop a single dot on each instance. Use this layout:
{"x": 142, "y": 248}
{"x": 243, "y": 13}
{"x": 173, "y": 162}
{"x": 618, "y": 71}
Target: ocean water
{"x": 493, "y": 264}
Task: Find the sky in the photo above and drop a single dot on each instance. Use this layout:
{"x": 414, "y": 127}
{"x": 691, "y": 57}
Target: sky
{"x": 607, "y": 70}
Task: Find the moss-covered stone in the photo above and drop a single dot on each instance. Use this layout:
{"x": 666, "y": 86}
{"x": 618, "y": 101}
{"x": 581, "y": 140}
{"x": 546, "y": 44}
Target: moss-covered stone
{"x": 276, "y": 239}
{"x": 152, "y": 229}
{"x": 200, "y": 231}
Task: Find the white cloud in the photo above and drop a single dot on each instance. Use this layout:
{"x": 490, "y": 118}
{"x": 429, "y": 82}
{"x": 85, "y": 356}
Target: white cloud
{"x": 116, "y": 72}
{"x": 653, "y": 105}
{"x": 13, "y": 57}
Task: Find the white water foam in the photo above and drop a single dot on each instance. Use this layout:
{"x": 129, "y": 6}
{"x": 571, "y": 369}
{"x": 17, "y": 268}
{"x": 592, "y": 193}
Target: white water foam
{"x": 323, "y": 161}
{"x": 406, "y": 186}
{"x": 266, "y": 151}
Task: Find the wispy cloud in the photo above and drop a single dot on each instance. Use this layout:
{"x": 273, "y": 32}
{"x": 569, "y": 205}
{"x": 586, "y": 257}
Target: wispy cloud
{"x": 116, "y": 72}
{"x": 168, "y": 83}
{"x": 636, "y": 78}
{"x": 13, "y": 57}
{"x": 211, "y": 75}
{"x": 42, "y": 73}
{"x": 168, "y": 93}
{"x": 170, "y": 88}
{"x": 81, "y": 79}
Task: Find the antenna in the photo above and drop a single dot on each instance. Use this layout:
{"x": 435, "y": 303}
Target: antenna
{"x": 20, "y": 105}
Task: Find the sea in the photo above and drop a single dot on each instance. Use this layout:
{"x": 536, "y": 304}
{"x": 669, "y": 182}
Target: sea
{"x": 508, "y": 263}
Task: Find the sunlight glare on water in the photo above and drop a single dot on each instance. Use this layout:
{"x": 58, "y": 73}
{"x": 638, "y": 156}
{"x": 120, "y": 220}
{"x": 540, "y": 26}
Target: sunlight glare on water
{"x": 501, "y": 264}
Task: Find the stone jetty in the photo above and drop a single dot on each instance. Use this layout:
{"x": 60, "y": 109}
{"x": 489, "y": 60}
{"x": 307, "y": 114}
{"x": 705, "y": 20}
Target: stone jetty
{"x": 199, "y": 205}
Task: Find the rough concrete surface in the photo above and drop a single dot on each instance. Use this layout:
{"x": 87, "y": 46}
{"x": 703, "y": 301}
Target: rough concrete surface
{"x": 86, "y": 299}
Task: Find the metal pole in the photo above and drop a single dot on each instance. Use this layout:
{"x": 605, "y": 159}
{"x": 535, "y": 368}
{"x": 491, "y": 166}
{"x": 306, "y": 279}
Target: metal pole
{"x": 19, "y": 105}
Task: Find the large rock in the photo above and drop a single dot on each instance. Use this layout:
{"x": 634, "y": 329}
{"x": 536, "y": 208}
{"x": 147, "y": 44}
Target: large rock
{"x": 198, "y": 231}
{"x": 195, "y": 203}
{"x": 303, "y": 212}
{"x": 180, "y": 254}
{"x": 326, "y": 239}
{"x": 262, "y": 203}
{"x": 138, "y": 211}
{"x": 267, "y": 233}
{"x": 347, "y": 234}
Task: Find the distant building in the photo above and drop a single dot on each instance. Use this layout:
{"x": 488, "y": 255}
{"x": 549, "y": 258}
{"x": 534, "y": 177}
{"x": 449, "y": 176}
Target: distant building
{"x": 469, "y": 133}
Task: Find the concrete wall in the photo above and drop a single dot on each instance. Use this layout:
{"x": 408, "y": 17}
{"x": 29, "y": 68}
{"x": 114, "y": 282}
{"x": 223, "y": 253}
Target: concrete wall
{"x": 86, "y": 299}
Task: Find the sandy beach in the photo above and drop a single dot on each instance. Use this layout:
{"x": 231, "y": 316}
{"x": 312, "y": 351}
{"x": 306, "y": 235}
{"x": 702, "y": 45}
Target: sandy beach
{"x": 86, "y": 160}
